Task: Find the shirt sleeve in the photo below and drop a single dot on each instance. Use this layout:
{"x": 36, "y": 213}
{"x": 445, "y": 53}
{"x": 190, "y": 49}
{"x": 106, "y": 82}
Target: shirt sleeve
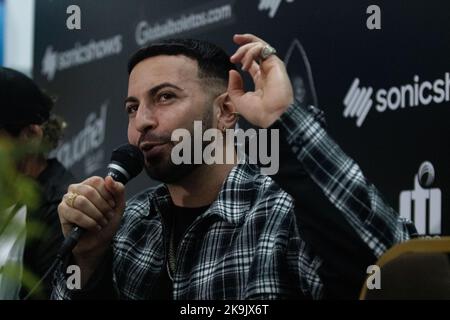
{"x": 341, "y": 179}
{"x": 304, "y": 265}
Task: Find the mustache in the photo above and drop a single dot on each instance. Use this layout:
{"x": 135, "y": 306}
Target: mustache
{"x": 154, "y": 137}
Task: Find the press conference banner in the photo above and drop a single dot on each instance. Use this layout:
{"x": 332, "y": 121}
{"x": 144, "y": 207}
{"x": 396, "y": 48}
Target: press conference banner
{"x": 380, "y": 72}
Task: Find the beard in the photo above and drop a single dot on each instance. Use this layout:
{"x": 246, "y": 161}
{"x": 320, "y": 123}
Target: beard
{"x": 168, "y": 172}
{"x": 162, "y": 168}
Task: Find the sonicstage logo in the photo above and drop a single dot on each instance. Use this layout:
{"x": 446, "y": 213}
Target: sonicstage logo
{"x": 359, "y": 100}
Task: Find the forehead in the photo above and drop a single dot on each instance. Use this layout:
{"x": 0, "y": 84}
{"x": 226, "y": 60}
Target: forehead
{"x": 159, "y": 69}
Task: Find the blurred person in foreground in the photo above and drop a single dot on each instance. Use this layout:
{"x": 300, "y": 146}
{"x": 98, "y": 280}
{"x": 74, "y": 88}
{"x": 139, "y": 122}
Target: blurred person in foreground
{"x": 224, "y": 231}
{"x": 27, "y": 120}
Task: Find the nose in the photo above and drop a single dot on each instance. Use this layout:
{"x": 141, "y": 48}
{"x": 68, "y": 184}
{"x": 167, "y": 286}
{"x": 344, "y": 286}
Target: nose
{"x": 145, "y": 119}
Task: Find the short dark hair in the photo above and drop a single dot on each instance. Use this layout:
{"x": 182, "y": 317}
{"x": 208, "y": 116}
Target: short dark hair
{"x": 213, "y": 61}
{"x": 23, "y": 102}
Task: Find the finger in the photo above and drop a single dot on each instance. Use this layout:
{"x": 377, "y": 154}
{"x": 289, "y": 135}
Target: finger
{"x": 235, "y": 84}
{"x": 255, "y": 71}
{"x": 84, "y": 205}
{"x": 70, "y": 217}
{"x": 117, "y": 190}
{"x": 240, "y": 52}
{"x": 251, "y": 55}
{"x": 241, "y": 39}
{"x": 94, "y": 196}
{"x": 99, "y": 184}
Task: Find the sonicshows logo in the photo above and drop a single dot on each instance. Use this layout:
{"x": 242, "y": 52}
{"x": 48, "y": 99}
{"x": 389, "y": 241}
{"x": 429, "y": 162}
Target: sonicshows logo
{"x": 271, "y": 5}
{"x": 359, "y": 100}
{"x": 81, "y": 54}
{"x": 423, "y": 205}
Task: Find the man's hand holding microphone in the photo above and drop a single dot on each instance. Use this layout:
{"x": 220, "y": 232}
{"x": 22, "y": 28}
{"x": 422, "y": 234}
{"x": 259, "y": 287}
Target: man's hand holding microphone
{"x": 95, "y": 208}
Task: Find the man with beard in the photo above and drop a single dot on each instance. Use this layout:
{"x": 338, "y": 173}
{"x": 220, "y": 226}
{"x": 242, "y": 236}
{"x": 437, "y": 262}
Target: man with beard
{"x": 218, "y": 231}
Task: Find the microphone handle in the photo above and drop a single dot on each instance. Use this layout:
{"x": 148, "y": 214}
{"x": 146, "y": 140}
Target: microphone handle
{"x": 75, "y": 234}
{"x": 70, "y": 242}
{"x": 118, "y": 174}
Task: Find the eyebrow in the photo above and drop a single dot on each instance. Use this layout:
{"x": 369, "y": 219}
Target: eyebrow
{"x": 154, "y": 90}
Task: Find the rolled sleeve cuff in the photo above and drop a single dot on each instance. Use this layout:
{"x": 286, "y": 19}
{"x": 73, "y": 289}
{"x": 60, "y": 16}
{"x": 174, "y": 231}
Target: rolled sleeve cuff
{"x": 298, "y": 119}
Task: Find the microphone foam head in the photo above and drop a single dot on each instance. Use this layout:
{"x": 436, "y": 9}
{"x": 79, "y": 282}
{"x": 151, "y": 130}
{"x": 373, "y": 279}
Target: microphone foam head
{"x": 130, "y": 158}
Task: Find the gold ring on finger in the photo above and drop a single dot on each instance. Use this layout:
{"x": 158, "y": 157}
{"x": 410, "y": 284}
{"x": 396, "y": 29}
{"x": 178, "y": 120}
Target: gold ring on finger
{"x": 70, "y": 200}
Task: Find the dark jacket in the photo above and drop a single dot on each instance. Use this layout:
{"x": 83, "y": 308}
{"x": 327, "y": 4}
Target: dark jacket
{"x": 40, "y": 252}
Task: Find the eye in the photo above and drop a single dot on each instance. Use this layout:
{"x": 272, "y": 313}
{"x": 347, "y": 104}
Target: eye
{"x": 132, "y": 108}
{"x": 165, "y": 97}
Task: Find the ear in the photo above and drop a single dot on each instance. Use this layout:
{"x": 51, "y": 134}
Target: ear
{"x": 32, "y": 131}
{"x": 226, "y": 113}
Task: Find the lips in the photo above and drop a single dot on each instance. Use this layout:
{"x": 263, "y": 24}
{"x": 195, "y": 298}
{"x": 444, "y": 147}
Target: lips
{"x": 152, "y": 149}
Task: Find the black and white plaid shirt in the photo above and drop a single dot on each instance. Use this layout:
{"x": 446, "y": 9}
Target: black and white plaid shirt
{"x": 246, "y": 245}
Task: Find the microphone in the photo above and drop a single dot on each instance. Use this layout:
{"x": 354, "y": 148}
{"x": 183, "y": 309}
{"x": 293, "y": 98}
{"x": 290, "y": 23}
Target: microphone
{"x": 127, "y": 161}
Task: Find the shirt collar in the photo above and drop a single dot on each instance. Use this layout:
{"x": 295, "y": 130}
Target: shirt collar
{"x": 232, "y": 203}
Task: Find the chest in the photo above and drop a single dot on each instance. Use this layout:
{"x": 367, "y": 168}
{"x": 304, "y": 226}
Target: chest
{"x": 216, "y": 260}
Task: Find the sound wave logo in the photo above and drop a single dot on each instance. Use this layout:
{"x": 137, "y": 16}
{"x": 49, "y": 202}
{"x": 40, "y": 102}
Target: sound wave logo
{"x": 271, "y": 5}
{"x": 49, "y": 63}
{"x": 358, "y": 102}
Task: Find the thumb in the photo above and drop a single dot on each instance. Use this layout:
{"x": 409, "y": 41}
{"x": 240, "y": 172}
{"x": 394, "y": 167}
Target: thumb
{"x": 117, "y": 190}
{"x": 235, "y": 84}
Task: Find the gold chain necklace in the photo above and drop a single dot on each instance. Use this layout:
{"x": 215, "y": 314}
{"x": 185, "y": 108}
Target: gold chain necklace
{"x": 171, "y": 260}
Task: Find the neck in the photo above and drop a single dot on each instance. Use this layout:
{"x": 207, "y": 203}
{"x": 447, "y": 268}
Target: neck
{"x": 32, "y": 166}
{"x": 201, "y": 187}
